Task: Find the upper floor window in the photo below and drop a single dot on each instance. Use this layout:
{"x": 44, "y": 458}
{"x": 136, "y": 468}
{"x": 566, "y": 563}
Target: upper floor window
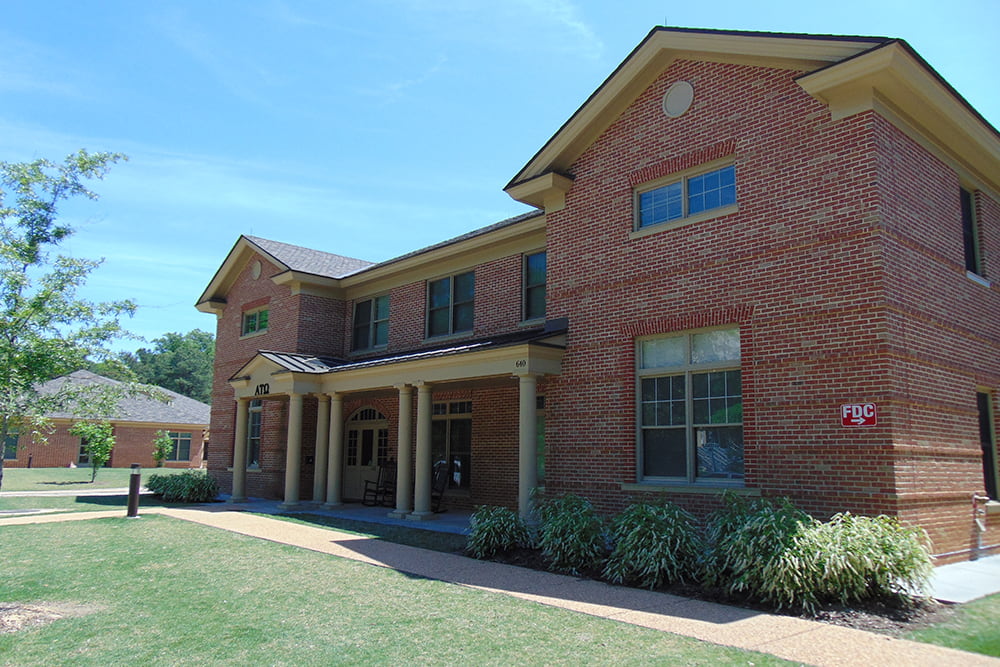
{"x": 970, "y": 233}
{"x": 534, "y": 286}
{"x": 450, "y": 306}
{"x": 691, "y": 407}
{"x": 255, "y": 321}
{"x": 684, "y": 196}
{"x": 371, "y": 323}
{"x": 255, "y": 425}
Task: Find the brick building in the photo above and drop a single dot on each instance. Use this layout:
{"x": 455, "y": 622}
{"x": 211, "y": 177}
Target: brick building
{"x": 757, "y": 262}
{"x": 136, "y": 420}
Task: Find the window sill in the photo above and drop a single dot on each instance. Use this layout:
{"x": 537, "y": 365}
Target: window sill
{"x": 368, "y": 351}
{"x": 713, "y": 489}
{"x": 683, "y": 222}
{"x": 992, "y": 507}
{"x": 533, "y": 322}
{"x": 253, "y": 334}
{"x": 444, "y": 338}
{"x": 230, "y": 469}
{"x": 976, "y": 278}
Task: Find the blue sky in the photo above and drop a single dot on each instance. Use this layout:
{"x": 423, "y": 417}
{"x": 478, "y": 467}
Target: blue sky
{"x": 368, "y": 129}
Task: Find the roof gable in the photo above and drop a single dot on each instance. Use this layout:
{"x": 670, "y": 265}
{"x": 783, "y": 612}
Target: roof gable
{"x": 849, "y": 74}
{"x": 296, "y": 264}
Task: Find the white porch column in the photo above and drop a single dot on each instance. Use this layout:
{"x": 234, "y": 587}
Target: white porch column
{"x": 322, "y": 448}
{"x": 527, "y": 443}
{"x": 240, "y": 452}
{"x": 335, "y": 459}
{"x": 293, "y": 457}
{"x": 404, "y": 459}
{"x": 422, "y": 469}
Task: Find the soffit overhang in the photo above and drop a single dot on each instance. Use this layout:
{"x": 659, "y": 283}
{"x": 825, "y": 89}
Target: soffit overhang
{"x": 898, "y": 84}
{"x": 273, "y": 374}
{"x": 647, "y": 61}
{"x": 213, "y": 299}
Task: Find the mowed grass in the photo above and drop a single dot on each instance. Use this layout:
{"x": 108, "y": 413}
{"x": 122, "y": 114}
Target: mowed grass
{"x": 73, "y": 479}
{"x": 160, "y": 591}
{"x": 974, "y": 627}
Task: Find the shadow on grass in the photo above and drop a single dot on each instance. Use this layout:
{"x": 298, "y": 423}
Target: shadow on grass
{"x": 71, "y": 483}
{"x": 411, "y": 537}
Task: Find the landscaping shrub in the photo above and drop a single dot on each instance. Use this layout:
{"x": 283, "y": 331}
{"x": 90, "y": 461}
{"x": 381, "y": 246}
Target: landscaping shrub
{"x": 570, "y": 534}
{"x": 496, "y": 529}
{"x": 653, "y": 545}
{"x": 190, "y": 486}
{"x": 746, "y": 538}
{"x": 850, "y": 559}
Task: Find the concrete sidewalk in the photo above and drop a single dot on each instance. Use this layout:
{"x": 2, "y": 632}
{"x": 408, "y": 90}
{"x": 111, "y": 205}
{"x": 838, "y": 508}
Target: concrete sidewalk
{"x": 795, "y": 639}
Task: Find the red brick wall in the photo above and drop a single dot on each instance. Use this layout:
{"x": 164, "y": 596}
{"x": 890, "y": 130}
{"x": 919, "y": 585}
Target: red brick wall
{"x": 943, "y": 345}
{"x": 801, "y": 268}
{"x": 133, "y": 444}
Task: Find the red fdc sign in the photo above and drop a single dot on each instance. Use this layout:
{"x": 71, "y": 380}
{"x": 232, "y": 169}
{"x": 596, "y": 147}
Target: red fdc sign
{"x": 859, "y": 414}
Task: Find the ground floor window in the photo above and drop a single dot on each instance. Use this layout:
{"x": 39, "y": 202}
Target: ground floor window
{"x": 10, "y": 445}
{"x": 540, "y": 439}
{"x": 988, "y": 442}
{"x": 451, "y": 441}
{"x": 181, "y": 447}
{"x": 691, "y": 407}
{"x": 255, "y": 421}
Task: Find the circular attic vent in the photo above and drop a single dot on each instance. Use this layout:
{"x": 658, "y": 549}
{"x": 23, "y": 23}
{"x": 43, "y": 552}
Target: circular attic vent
{"x": 677, "y": 99}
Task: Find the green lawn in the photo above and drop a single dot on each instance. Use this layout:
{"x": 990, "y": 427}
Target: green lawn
{"x": 974, "y": 627}
{"x": 160, "y": 591}
{"x": 73, "y": 479}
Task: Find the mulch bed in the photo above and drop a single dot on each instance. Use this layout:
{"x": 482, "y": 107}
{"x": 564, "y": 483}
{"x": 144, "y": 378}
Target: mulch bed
{"x": 872, "y": 616}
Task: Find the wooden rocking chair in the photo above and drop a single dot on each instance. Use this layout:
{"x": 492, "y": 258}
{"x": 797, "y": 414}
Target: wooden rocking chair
{"x": 381, "y": 491}
{"x": 439, "y": 484}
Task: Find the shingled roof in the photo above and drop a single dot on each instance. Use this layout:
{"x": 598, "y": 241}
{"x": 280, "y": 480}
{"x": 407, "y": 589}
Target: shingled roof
{"x": 307, "y": 260}
{"x": 178, "y": 409}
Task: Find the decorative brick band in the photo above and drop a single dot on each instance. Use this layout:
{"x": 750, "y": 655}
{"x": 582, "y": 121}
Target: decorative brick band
{"x": 250, "y": 305}
{"x": 682, "y": 162}
{"x": 699, "y": 320}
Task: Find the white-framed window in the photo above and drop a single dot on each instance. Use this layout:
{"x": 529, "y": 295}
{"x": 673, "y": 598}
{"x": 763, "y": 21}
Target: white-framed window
{"x": 987, "y": 439}
{"x": 970, "y": 233}
{"x": 685, "y": 195}
{"x": 690, "y": 400}
{"x": 255, "y": 422}
{"x": 181, "y": 447}
{"x": 451, "y": 304}
{"x": 10, "y": 445}
{"x": 255, "y": 321}
{"x": 534, "y": 286}
{"x": 451, "y": 441}
{"x": 371, "y": 323}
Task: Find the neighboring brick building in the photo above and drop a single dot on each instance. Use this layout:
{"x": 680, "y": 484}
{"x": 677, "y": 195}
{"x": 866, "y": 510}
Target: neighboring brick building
{"x": 761, "y": 262}
{"x": 136, "y": 422}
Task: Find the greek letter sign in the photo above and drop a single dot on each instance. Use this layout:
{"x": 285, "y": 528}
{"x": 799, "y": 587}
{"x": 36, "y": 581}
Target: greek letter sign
{"x": 859, "y": 414}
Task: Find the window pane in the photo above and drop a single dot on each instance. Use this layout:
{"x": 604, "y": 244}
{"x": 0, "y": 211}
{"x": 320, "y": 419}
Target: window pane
{"x": 262, "y": 320}
{"x": 361, "y": 333}
{"x": 648, "y": 387}
{"x": 440, "y": 293}
{"x": 438, "y": 324}
{"x": 465, "y": 287}
{"x": 362, "y": 312}
{"x": 720, "y": 452}
{"x": 663, "y": 452}
{"x": 382, "y": 308}
{"x": 664, "y": 352}
{"x": 464, "y": 314}
{"x": 660, "y": 205}
{"x": 535, "y": 269}
{"x": 382, "y": 333}
{"x": 534, "y": 303}
{"x": 712, "y": 346}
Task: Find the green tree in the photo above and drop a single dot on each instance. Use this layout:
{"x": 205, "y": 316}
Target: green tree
{"x": 98, "y": 441}
{"x": 163, "y": 446}
{"x": 178, "y": 362}
{"x": 46, "y": 330}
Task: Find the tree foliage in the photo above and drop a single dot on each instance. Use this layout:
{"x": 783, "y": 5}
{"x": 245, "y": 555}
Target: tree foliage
{"x": 46, "y": 329}
{"x": 163, "y": 446}
{"x": 98, "y": 441}
{"x": 179, "y": 362}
